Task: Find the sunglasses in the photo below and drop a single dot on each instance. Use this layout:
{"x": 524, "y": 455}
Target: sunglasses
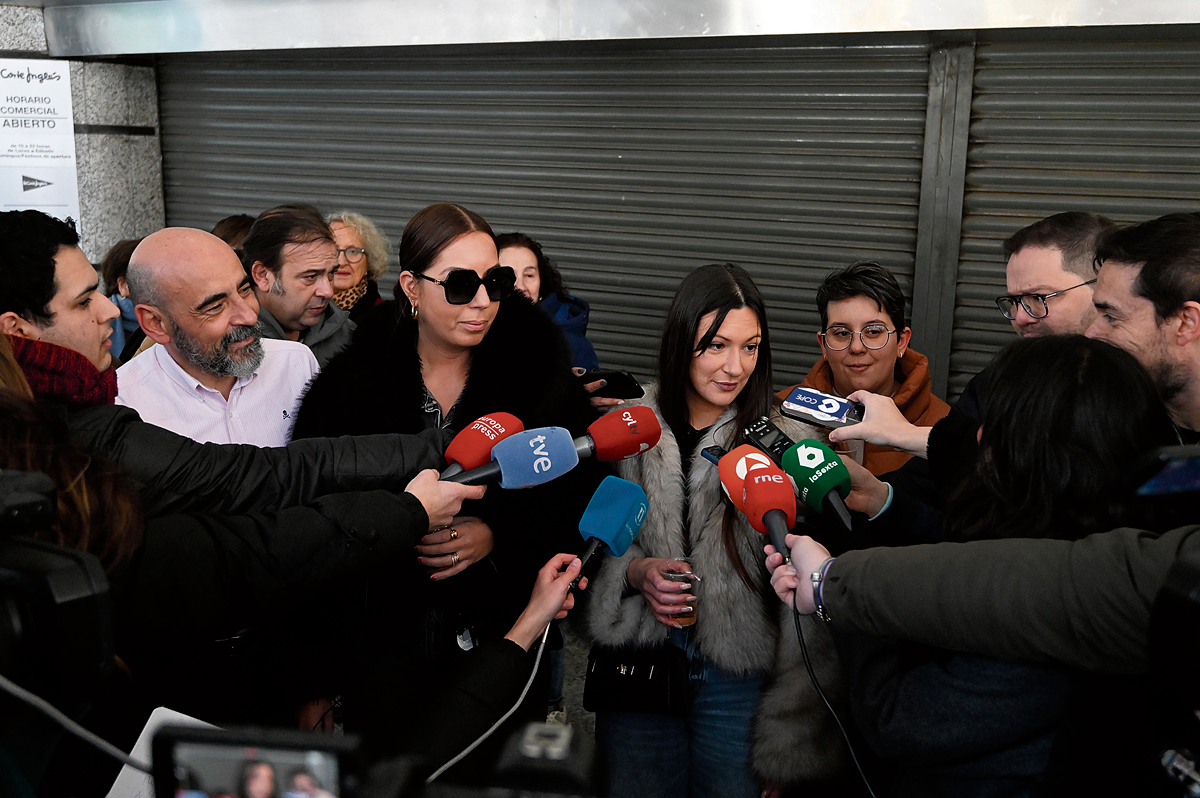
{"x": 461, "y": 285}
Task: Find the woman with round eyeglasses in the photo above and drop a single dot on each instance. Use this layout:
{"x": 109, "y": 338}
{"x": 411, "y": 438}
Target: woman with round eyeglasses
{"x": 455, "y": 344}
{"x": 363, "y": 256}
{"x": 864, "y": 347}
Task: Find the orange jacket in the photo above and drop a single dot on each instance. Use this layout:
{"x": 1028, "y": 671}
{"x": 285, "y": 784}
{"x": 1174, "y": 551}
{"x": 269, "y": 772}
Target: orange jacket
{"x": 914, "y": 397}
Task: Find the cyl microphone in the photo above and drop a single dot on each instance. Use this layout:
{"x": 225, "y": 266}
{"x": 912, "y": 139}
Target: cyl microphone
{"x": 525, "y": 459}
{"x": 472, "y": 446}
{"x": 620, "y": 435}
{"x": 612, "y": 519}
{"x": 822, "y": 479}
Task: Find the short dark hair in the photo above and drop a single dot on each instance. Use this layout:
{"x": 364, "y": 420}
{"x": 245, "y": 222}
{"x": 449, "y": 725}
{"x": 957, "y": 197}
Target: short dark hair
{"x": 274, "y": 229}
{"x": 1064, "y": 422}
{"x": 551, "y": 280}
{"x": 431, "y": 230}
{"x": 29, "y": 241}
{"x": 1074, "y": 233}
{"x": 1168, "y": 251}
{"x": 116, "y": 263}
{"x": 233, "y": 229}
{"x": 864, "y": 278}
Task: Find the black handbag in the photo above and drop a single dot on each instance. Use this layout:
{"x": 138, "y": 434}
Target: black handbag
{"x": 650, "y": 679}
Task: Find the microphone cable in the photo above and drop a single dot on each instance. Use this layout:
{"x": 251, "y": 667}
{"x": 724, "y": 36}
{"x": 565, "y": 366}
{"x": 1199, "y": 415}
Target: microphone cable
{"x": 48, "y": 709}
{"x": 813, "y": 676}
{"x": 479, "y": 740}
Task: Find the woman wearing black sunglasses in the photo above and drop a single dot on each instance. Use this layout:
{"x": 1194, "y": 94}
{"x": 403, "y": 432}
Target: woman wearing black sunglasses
{"x": 457, "y": 343}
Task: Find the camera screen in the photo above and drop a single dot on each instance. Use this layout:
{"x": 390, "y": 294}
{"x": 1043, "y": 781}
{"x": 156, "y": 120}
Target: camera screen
{"x": 205, "y": 770}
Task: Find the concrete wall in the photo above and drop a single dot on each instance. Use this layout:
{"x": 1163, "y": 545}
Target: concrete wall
{"x": 116, "y": 137}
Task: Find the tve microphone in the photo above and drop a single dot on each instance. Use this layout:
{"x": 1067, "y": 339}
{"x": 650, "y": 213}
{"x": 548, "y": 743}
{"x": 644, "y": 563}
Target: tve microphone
{"x": 528, "y": 458}
{"x": 612, "y": 519}
{"x": 620, "y": 435}
{"x": 472, "y": 447}
{"x": 735, "y": 466}
{"x": 822, "y": 479}
{"x": 771, "y": 504}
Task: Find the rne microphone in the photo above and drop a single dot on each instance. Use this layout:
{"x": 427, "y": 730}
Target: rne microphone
{"x": 620, "y": 435}
{"x": 612, "y": 520}
{"x": 822, "y": 479}
{"x": 771, "y": 504}
{"x": 525, "y": 459}
{"x": 472, "y": 446}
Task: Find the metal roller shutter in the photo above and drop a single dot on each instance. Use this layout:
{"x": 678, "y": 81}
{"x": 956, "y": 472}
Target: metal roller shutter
{"x": 1106, "y": 127}
{"x": 631, "y": 164}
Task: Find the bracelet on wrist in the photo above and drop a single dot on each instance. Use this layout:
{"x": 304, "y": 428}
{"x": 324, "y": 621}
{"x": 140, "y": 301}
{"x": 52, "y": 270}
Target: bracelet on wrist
{"x": 818, "y": 582}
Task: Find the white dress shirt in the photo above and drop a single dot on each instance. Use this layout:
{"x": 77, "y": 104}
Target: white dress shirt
{"x": 261, "y": 408}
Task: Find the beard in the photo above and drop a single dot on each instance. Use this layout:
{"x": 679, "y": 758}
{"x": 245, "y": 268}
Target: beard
{"x": 1169, "y": 379}
{"x": 218, "y": 359}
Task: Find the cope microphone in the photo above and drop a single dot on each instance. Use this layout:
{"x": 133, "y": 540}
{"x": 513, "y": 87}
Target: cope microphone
{"x": 472, "y": 446}
{"x": 822, "y": 479}
{"x": 620, "y": 435}
{"x": 525, "y": 459}
{"x": 612, "y": 519}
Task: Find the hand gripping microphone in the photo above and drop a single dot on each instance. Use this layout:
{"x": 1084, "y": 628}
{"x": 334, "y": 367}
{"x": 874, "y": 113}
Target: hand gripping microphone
{"x": 771, "y": 504}
{"x": 620, "y": 435}
{"x": 525, "y": 459}
{"x": 822, "y": 479}
{"x": 472, "y": 447}
{"x": 612, "y": 519}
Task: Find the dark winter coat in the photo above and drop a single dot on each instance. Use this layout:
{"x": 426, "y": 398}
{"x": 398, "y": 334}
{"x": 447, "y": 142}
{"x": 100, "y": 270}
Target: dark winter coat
{"x": 571, "y": 315}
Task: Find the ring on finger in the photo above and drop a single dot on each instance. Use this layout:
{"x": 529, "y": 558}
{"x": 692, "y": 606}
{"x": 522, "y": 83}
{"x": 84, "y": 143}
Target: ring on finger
{"x": 453, "y": 533}
{"x": 453, "y": 558}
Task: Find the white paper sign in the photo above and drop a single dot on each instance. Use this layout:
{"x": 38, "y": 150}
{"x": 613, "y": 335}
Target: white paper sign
{"x": 37, "y": 138}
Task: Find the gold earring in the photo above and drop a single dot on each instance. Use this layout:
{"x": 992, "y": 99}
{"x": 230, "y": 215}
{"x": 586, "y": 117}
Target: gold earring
{"x": 415, "y": 311}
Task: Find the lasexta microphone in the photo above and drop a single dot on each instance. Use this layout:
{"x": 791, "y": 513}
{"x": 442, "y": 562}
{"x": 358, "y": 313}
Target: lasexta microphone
{"x": 472, "y": 446}
{"x": 770, "y": 502}
{"x": 735, "y": 466}
{"x": 822, "y": 479}
{"x": 620, "y": 435}
{"x": 528, "y": 458}
{"x": 612, "y": 520}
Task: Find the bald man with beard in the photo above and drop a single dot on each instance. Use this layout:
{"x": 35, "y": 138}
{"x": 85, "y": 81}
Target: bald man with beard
{"x": 211, "y": 375}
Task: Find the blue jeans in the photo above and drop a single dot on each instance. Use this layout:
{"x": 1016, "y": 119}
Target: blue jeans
{"x": 702, "y": 755}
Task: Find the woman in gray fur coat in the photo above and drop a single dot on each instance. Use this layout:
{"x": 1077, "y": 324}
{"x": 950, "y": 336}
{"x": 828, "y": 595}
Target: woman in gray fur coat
{"x": 754, "y": 718}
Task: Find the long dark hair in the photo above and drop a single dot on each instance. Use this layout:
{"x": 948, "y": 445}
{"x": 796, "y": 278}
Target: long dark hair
{"x": 431, "y": 230}
{"x": 719, "y": 287}
{"x": 1065, "y": 423}
{"x": 98, "y": 506}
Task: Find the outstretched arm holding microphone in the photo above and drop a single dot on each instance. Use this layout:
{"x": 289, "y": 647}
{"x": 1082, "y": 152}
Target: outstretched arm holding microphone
{"x": 884, "y": 425}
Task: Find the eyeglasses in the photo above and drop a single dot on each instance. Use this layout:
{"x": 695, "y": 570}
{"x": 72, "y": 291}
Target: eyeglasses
{"x": 873, "y": 336}
{"x": 461, "y": 285}
{"x": 1035, "y": 304}
{"x": 353, "y": 254}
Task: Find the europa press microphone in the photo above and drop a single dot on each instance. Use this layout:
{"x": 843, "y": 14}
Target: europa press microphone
{"x": 822, "y": 479}
{"x": 524, "y": 459}
{"x": 620, "y": 435}
{"x": 612, "y": 519}
{"x": 762, "y": 491}
{"x": 472, "y": 447}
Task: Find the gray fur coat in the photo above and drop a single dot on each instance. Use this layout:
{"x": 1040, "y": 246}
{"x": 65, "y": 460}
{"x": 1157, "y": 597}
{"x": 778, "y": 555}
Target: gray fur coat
{"x": 794, "y": 737}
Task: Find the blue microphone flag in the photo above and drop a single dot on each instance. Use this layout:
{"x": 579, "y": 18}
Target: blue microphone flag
{"x": 615, "y": 514}
{"x": 534, "y": 457}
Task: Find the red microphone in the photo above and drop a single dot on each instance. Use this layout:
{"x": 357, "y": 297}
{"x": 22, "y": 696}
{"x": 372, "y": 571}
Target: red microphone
{"x": 472, "y": 447}
{"x": 733, "y": 468}
{"x": 771, "y": 504}
{"x": 620, "y": 435}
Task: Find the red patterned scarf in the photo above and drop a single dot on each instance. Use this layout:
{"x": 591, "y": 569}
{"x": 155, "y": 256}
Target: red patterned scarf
{"x": 63, "y": 375}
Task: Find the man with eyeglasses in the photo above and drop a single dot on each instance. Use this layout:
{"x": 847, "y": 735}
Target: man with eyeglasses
{"x": 210, "y": 375}
{"x": 1050, "y": 274}
{"x": 291, "y": 255}
{"x": 864, "y": 347}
